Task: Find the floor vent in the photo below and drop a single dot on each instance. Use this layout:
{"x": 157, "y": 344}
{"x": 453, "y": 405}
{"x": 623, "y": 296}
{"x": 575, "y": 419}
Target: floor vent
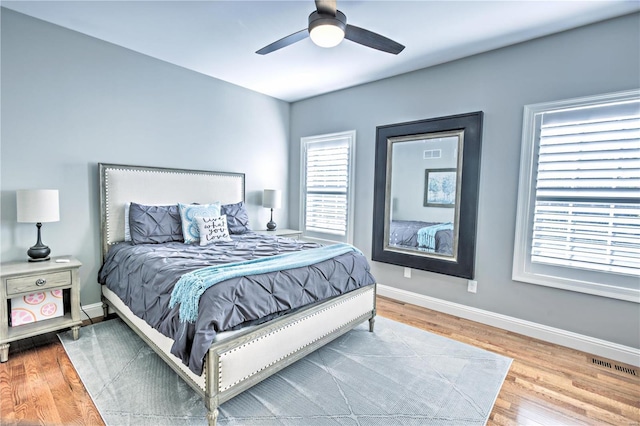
{"x": 601, "y": 363}
{"x": 627, "y": 370}
{"x": 620, "y": 368}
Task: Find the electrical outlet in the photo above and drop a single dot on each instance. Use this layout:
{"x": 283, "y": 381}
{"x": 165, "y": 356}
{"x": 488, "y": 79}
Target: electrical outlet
{"x": 472, "y": 286}
{"x": 407, "y": 272}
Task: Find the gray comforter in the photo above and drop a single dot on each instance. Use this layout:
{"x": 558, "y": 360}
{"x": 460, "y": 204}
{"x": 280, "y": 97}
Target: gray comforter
{"x": 404, "y": 233}
{"x": 143, "y": 276}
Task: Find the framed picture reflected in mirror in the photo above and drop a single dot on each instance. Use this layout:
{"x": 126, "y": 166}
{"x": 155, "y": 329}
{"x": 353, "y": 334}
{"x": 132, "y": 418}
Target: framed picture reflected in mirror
{"x": 440, "y": 187}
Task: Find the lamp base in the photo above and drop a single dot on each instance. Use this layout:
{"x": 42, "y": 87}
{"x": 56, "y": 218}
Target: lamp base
{"x": 39, "y": 260}
{"x": 39, "y": 252}
{"x": 271, "y": 225}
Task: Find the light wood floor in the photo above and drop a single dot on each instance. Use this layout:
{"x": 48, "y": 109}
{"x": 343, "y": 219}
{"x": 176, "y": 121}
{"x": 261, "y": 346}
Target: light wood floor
{"x": 546, "y": 385}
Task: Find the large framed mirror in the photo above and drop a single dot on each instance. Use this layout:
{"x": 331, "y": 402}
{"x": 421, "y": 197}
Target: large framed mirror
{"x": 426, "y": 183}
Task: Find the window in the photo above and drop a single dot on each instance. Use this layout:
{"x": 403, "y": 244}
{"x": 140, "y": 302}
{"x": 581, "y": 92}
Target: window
{"x": 327, "y": 170}
{"x": 578, "y": 219}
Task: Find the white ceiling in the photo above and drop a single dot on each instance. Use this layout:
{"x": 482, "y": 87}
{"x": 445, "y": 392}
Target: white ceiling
{"x": 219, "y": 38}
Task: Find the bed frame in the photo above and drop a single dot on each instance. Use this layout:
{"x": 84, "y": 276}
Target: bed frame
{"x": 240, "y": 359}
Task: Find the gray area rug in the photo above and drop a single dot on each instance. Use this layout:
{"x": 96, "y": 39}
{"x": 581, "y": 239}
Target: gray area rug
{"x": 398, "y": 375}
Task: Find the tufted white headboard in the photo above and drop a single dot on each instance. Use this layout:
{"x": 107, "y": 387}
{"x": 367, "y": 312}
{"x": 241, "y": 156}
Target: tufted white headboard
{"x": 120, "y": 184}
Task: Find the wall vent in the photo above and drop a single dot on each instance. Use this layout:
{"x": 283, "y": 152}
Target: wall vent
{"x": 430, "y": 154}
{"x": 617, "y": 367}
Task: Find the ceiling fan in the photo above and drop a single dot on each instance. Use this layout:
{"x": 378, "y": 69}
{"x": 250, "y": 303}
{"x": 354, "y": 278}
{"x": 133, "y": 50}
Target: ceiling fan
{"x": 328, "y": 26}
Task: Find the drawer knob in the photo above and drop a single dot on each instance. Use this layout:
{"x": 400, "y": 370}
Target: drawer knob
{"x": 40, "y": 282}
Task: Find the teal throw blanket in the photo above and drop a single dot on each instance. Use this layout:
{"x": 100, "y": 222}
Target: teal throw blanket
{"x": 192, "y": 285}
{"x": 427, "y": 235}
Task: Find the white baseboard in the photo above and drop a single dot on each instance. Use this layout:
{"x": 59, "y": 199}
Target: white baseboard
{"x": 92, "y": 311}
{"x": 591, "y": 345}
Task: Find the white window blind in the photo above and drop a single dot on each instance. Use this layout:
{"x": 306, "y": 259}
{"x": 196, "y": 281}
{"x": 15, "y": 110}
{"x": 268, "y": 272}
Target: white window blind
{"x": 578, "y": 222}
{"x": 326, "y": 186}
{"x": 587, "y": 213}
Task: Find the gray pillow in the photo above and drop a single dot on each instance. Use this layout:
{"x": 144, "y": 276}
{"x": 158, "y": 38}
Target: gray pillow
{"x": 154, "y": 224}
{"x": 237, "y": 217}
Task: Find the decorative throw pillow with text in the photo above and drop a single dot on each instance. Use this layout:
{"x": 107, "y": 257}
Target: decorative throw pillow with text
{"x": 212, "y": 229}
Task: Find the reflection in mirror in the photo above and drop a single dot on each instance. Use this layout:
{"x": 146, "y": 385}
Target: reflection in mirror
{"x": 426, "y": 194}
{"x": 427, "y": 165}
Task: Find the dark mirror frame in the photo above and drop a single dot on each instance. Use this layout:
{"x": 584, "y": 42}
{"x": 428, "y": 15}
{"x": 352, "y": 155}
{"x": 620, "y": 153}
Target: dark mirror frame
{"x": 463, "y": 266}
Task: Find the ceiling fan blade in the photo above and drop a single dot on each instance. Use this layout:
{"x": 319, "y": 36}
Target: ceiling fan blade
{"x": 328, "y": 7}
{"x": 371, "y": 39}
{"x": 284, "y": 42}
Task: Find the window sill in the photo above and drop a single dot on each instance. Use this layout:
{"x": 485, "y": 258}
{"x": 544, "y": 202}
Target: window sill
{"x": 596, "y": 289}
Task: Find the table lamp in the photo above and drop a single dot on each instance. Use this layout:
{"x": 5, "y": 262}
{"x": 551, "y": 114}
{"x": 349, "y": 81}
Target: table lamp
{"x": 38, "y": 206}
{"x": 272, "y": 199}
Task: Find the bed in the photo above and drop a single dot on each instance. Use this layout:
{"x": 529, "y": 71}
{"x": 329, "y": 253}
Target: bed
{"x": 251, "y": 349}
{"x": 424, "y": 236}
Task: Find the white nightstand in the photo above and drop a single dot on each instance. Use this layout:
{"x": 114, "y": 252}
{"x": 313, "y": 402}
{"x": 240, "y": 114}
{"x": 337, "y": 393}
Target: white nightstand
{"x": 24, "y": 278}
{"x": 289, "y": 233}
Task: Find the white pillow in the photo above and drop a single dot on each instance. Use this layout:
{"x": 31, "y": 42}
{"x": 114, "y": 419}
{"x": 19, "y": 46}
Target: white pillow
{"x": 212, "y": 229}
{"x": 188, "y": 214}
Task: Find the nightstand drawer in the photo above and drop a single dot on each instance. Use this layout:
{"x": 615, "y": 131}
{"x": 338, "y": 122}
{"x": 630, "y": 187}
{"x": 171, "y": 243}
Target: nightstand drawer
{"x": 40, "y": 282}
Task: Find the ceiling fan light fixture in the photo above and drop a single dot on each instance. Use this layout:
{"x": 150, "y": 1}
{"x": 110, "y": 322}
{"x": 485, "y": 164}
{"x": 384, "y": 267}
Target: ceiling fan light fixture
{"x": 327, "y": 30}
{"x": 328, "y": 27}
{"x": 327, "y": 35}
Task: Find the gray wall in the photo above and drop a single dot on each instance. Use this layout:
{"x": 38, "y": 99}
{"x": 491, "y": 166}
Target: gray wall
{"x": 70, "y": 101}
{"x": 596, "y": 59}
